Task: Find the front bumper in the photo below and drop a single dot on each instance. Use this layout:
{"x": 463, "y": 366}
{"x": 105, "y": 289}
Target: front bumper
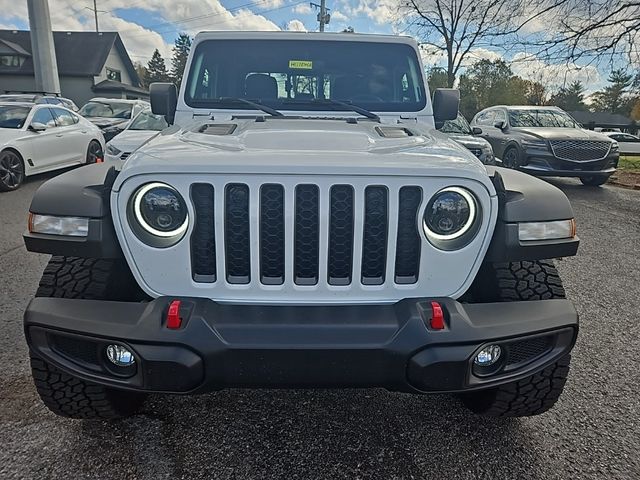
{"x": 220, "y": 346}
{"x": 544, "y": 163}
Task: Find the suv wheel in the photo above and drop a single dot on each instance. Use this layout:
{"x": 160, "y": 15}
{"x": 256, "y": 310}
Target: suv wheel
{"x": 511, "y": 158}
{"x": 520, "y": 281}
{"x": 64, "y": 394}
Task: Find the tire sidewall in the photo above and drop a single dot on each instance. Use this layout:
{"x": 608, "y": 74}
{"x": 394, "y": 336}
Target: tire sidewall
{"x": 3, "y": 186}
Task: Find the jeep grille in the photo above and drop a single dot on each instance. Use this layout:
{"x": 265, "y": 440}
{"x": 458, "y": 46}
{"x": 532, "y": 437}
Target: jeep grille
{"x": 580, "y": 150}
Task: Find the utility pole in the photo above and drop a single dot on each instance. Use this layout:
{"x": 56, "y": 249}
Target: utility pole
{"x": 95, "y": 13}
{"x": 323, "y": 14}
{"x": 43, "y": 49}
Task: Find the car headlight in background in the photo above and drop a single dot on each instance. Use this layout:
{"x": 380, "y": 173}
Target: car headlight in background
{"x": 614, "y": 146}
{"x": 158, "y": 214}
{"x": 556, "y": 230}
{"x": 534, "y": 143}
{"x": 111, "y": 150}
{"x": 452, "y": 218}
{"x": 53, "y": 225}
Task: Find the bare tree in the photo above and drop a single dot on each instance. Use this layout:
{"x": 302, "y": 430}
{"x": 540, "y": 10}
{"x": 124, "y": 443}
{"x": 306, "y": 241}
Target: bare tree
{"x": 454, "y": 28}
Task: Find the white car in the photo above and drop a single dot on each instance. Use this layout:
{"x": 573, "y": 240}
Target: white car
{"x": 39, "y": 138}
{"x": 628, "y": 144}
{"x": 144, "y": 127}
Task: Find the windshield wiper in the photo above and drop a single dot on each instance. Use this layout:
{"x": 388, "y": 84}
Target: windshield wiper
{"x": 329, "y": 101}
{"x": 257, "y": 105}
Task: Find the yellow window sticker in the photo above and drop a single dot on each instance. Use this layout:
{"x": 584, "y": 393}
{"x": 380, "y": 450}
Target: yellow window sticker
{"x": 301, "y": 64}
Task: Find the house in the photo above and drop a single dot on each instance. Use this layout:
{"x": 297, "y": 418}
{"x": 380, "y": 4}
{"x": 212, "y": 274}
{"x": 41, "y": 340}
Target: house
{"x": 593, "y": 120}
{"x": 90, "y": 65}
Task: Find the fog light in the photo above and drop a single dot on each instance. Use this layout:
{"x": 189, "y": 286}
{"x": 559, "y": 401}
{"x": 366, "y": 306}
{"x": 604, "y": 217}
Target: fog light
{"x": 489, "y": 355}
{"x": 120, "y": 356}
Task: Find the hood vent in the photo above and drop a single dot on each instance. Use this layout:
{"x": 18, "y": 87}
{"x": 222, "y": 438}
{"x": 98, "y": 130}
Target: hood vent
{"x": 218, "y": 128}
{"x": 394, "y": 132}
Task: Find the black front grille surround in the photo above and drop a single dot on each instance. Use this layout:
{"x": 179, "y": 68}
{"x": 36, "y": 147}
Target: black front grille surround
{"x": 301, "y": 205}
{"x": 580, "y": 150}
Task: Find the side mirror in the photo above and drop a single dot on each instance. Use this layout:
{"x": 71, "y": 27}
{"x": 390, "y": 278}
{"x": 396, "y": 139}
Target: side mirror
{"x": 476, "y": 131}
{"x": 37, "y": 127}
{"x": 164, "y": 100}
{"x": 445, "y": 105}
{"x": 499, "y": 125}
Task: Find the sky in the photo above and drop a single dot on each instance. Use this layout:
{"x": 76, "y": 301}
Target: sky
{"x": 145, "y": 25}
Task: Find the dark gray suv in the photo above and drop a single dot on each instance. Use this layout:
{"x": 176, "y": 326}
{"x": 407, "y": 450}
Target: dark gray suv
{"x": 546, "y": 141}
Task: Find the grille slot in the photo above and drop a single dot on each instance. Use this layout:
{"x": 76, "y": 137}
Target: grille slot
{"x": 340, "y": 263}
{"x": 527, "y": 350}
{"x": 78, "y": 350}
{"x": 580, "y": 150}
{"x": 408, "y": 245}
{"x": 374, "y": 242}
{"x": 272, "y": 234}
{"x": 237, "y": 238}
{"x": 307, "y": 235}
{"x": 203, "y": 243}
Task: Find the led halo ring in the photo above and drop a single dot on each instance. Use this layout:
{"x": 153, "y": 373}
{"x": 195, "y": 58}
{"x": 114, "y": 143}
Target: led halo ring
{"x": 467, "y": 226}
{"x": 142, "y": 222}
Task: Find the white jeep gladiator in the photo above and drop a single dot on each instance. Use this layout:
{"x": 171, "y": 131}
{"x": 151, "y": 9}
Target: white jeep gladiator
{"x": 300, "y": 224}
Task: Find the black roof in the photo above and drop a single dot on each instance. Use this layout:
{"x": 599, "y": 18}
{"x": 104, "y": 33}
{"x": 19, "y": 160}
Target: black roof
{"x": 81, "y": 54}
{"x": 601, "y": 118}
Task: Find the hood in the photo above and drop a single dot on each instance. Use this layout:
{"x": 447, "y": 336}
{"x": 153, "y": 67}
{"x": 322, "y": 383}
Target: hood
{"x": 130, "y": 140}
{"x": 105, "y": 122}
{"x": 552, "y": 133}
{"x": 306, "y": 147}
{"x": 470, "y": 141}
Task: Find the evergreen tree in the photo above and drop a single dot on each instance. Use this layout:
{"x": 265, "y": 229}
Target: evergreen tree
{"x": 570, "y": 98}
{"x": 613, "y": 98}
{"x": 141, "y": 70}
{"x": 156, "y": 69}
{"x": 179, "y": 60}
{"x": 437, "y": 78}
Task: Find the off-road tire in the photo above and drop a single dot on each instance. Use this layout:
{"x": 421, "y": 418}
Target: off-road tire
{"x": 533, "y": 395}
{"x": 71, "y": 397}
{"x": 595, "y": 180}
{"x": 64, "y": 394}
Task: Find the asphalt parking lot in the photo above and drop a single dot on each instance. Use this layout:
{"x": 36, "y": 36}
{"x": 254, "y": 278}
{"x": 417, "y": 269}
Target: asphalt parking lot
{"x": 594, "y": 431}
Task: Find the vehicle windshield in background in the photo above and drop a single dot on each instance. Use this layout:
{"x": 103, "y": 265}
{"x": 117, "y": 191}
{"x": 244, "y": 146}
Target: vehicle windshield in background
{"x": 106, "y": 110}
{"x": 541, "y": 118}
{"x": 459, "y": 125}
{"x": 13, "y": 117}
{"x": 289, "y": 75}
{"x": 148, "y": 121}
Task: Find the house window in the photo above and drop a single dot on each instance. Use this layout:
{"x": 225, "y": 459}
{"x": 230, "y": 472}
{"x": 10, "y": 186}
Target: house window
{"x": 11, "y": 61}
{"x": 113, "y": 75}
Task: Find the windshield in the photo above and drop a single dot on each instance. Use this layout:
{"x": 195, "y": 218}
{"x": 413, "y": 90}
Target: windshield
{"x": 541, "y": 118}
{"x": 148, "y": 121}
{"x": 106, "y": 110}
{"x": 459, "y": 125}
{"x": 288, "y": 75}
{"x": 13, "y": 117}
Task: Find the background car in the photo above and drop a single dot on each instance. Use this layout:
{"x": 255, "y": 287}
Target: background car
{"x": 629, "y": 144}
{"x": 142, "y": 128}
{"x": 39, "y": 138}
{"x": 460, "y": 131}
{"x": 112, "y": 115}
{"x": 546, "y": 141}
{"x": 40, "y": 98}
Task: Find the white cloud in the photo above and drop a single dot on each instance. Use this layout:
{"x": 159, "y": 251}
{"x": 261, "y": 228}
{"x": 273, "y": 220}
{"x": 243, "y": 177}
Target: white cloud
{"x": 339, "y": 16}
{"x": 296, "y": 26}
{"x": 380, "y": 11}
{"x": 302, "y": 9}
{"x": 553, "y": 75}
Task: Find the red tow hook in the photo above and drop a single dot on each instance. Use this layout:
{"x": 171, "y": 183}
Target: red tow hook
{"x": 437, "y": 316}
{"x": 173, "y": 315}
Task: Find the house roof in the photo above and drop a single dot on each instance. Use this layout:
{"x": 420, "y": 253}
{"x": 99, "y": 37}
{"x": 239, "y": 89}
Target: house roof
{"x": 601, "y": 118}
{"x": 79, "y": 54}
{"x": 113, "y": 86}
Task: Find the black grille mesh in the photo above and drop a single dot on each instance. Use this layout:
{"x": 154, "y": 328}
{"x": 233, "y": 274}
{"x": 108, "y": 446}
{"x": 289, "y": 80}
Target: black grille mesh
{"x": 307, "y": 235}
{"x": 76, "y": 349}
{"x": 203, "y": 245}
{"x": 272, "y": 234}
{"x": 375, "y": 231}
{"x": 525, "y": 350}
{"x": 409, "y": 243}
{"x": 237, "y": 241}
{"x": 580, "y": 150}
{"x": 340, "y": 235}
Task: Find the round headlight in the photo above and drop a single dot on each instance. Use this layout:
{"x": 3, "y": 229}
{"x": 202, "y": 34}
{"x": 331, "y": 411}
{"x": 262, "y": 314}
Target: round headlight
{"x": 160, "y": 210}
{"x": 451, "y": 218}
